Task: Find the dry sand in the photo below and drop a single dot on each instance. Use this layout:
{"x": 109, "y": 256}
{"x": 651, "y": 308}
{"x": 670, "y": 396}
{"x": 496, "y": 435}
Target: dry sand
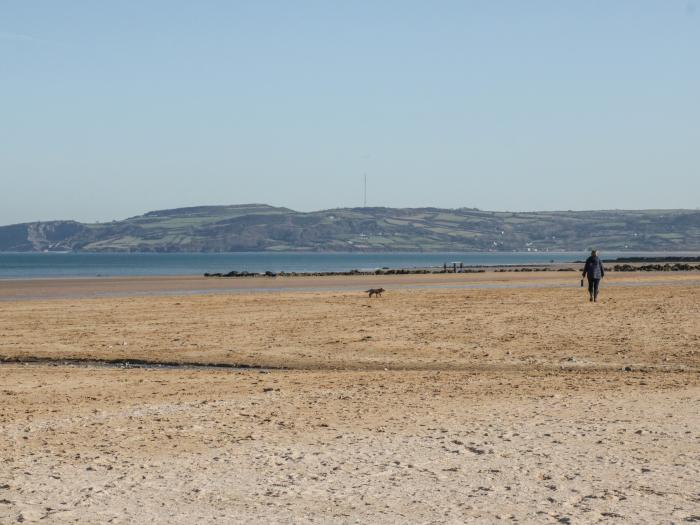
{"x": 429, "y": 405}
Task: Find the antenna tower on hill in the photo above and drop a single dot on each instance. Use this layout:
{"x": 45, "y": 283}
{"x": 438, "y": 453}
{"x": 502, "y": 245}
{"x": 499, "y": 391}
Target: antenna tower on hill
{"x": 365, "y": 200}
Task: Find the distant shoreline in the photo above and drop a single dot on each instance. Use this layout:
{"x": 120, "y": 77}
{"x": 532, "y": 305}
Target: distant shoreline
{"x": 662, "y": 265}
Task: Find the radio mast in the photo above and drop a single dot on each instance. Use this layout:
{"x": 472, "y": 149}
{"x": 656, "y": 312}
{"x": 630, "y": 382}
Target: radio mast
{"x": 365, "y": 200}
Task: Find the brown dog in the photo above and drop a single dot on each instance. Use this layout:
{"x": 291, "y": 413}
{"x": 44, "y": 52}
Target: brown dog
{"x": 375, "y": 291}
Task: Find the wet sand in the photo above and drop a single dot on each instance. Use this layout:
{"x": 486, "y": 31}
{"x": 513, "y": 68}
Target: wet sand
{"x": 18, "y": 289}
{"x": 430, "y": 405}
{"x": 11, "y": 289}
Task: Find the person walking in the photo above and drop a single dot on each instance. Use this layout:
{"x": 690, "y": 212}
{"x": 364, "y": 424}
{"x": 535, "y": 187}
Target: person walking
{"x": 595, "y": 272}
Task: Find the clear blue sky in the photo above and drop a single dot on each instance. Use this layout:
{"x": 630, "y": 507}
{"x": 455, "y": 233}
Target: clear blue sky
{"x": 111, "y": 109}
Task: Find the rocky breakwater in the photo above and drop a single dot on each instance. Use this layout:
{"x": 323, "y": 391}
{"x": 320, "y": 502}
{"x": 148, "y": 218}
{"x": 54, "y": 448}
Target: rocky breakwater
{"x": 666, "y": 267}
{"x": 379, "y": 271}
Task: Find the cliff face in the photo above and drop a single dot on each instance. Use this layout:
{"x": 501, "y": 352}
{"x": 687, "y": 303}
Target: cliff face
{"x": 40, "y": 236}
{"x": 258, "y": 227}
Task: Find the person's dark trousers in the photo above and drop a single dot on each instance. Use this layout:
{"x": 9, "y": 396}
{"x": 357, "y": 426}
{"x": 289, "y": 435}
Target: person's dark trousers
{"x": 593, "y": 288}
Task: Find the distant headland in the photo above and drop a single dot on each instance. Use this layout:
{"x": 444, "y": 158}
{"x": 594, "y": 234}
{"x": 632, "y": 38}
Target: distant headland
{"x": 259, "y": 227}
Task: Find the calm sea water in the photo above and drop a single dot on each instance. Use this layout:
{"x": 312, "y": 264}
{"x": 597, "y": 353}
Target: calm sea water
{"x": 34, "y": 265}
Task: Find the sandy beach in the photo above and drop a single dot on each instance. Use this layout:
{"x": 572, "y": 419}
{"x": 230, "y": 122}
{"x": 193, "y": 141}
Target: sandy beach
{"x": 321, "y": 263}
{"x": 460, "y": 398}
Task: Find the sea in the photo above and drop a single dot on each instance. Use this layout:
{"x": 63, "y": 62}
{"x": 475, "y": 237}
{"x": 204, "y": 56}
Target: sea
{"x": 54, "y": 264}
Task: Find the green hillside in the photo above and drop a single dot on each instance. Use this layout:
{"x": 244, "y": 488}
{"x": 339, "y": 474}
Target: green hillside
{"x": 258, "y": 227}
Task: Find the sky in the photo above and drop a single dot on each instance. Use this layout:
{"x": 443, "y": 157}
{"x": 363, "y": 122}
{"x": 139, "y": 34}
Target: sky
{"x": 112, "y": 109}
